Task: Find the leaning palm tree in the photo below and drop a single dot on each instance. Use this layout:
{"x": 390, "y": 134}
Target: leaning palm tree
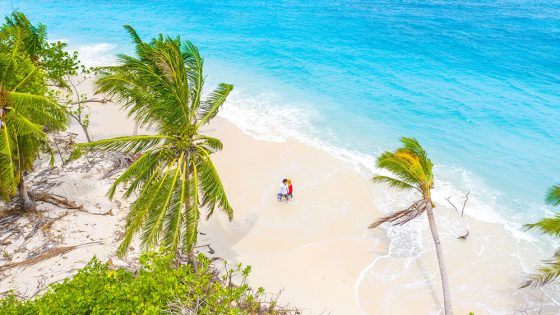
{"x": 25, "y": 110}
{"x": 413, "y": 170}
{"x": 550, "y": 271}
{"x": 174, "y": 177}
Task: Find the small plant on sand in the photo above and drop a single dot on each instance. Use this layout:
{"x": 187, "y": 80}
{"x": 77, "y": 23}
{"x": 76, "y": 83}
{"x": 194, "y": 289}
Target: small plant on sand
{"x": 26, "y": 109}
{"x": 174, "y": 176}
{"x": 413, "y": 170}
{"x": 550, "y": 270}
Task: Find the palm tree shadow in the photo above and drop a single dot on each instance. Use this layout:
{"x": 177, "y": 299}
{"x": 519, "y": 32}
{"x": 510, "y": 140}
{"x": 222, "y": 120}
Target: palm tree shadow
{"x": 223, "y": 237}
{"x": 429, "y": 283}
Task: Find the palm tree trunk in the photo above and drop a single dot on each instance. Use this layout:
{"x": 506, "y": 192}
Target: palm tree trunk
{"x": 442, "y": 268}
{"x": 27, "y": 203}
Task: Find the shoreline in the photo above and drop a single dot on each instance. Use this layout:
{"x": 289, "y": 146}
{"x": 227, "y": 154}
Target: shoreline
{"x": 316, "y": 248}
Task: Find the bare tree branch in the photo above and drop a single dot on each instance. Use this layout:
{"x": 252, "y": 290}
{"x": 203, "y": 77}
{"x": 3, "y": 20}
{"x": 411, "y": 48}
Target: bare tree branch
{"x": 92, "y": 100}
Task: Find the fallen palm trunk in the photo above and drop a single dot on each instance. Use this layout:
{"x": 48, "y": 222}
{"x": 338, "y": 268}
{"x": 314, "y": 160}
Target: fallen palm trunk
{"x": 53, "y": 252}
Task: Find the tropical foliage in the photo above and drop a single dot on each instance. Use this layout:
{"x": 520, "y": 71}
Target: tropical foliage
{"x": 413, "y": 171}
{"x": 159, "y": 286}
{"x": 550, "y": 270}
{"x": 26, "y": 108}
{"x": 174, "y": 177}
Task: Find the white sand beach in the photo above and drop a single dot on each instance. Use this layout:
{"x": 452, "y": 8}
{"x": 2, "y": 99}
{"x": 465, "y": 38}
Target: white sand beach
{"x": 316, "y": 248}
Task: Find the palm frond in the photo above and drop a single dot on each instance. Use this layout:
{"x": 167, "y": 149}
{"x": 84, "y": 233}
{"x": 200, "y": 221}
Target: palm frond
{"x": 550, "y": 226}
{"x": 553, "y": 195}
{"x": 400, "y": 165}
{"x": 15, "y": 46}
{"x": 176, "y": 217}
{"x": 153, "y": 226}
{"x": 7, "y": 165}
{"x": 128, "y": 144}
{"x": 212, "y": 190}
{"x": 194, "y": 63}
{"x": 139, "y": 209}
{"x": 403, "y": 216}
{"x": 393, "y": 182}
{"x": 210, "y": 143}
{"x": 141, "y": 171}
{"x": 193, "y": 212}
{"x": 40, "y": 109}
{"x": 414, "y": 146}
{"x": 545, "y": 274}
{"x": 210, "y": 107}
{"x": 133, "y": 34}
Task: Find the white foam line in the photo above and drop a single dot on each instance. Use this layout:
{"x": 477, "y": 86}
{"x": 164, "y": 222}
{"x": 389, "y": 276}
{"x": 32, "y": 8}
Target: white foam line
{"x": 361, "y": 278}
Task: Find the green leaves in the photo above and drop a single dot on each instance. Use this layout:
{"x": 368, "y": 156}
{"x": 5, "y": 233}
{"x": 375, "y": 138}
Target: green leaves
{"x": 210, "y": 108}
{"x": 410, "y": 164}
{"x": 550, "y": 226}
{"x": 550, "y": 271}
{"x": 128, "y": 144}
{"x": 160, "y": 285}
{"x": 27, "y": 64}
{"x": 553, "y": 195}
{"x": 212, "y": 190}
{"x": 8, "y": 180}
{"x": 393, "y": 182}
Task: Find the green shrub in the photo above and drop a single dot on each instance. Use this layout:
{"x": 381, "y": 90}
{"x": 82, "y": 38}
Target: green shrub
{"x": 160, "y": 285}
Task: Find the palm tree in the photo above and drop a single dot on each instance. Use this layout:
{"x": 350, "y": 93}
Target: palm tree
{"x": 413, "y": 170}
{"x": 551, "y": 226}
{"x": 25, "y": 111}
{"x": 33, "y": 39}
{"x": 174, "y": 178}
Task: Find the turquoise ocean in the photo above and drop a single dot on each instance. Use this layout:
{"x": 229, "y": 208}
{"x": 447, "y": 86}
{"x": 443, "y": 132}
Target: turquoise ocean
{"x": 477, "y": 82}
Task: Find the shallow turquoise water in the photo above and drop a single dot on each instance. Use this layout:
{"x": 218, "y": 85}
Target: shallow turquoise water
{"x": 477, "y": 83}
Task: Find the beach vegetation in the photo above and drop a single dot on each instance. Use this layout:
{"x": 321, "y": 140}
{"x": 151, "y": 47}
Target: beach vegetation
{"x": 550, "y": 270}
{"x": 412, "y": 171}
{"x": 160, "y": 284}
{"x": 173, "y": 178}
{"x": 27, "y": 109}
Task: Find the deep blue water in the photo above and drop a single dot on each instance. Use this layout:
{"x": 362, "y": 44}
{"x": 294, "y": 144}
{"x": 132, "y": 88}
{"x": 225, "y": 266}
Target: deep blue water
{"x": 477, "y": 82}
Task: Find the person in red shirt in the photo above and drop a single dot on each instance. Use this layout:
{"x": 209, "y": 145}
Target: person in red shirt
{"x": 290, "y": 188}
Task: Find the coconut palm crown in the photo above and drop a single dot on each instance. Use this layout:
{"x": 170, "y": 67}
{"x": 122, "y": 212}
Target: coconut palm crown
{"x": 174, "y": 177}
{"x": 550, "y": 270}
{"x": 413, "y": 171}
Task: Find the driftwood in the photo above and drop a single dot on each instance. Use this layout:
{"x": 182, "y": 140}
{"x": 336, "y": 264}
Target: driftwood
{"x": 210, "y": 249}
{"x": 63, "y": 202}
{"x": 56, "y": 200}
{"x": 464, "y": 236}
{"x": 462, "y": 212}
{"x": 53, "y": 252}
